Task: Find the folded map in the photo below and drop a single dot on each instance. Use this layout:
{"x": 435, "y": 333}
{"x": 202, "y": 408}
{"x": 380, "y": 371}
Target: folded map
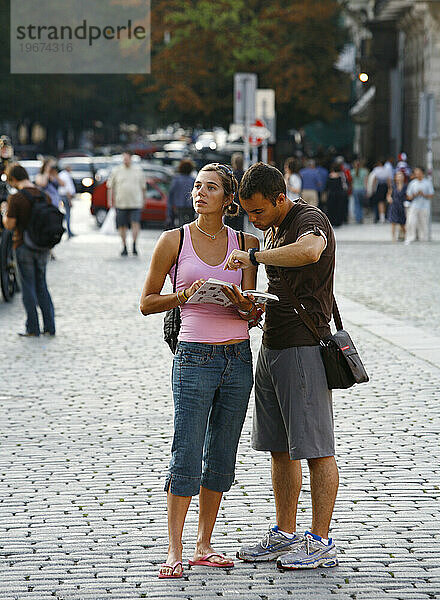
{"x": 211, "y": 292}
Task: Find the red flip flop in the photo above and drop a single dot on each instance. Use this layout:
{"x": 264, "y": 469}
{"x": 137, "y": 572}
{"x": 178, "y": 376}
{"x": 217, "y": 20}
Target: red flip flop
{"x": 173, "y": 574}
{"x": 205, "y": 562}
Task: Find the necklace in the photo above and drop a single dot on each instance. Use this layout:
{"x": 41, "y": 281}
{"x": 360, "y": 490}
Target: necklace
{"x": 212, "y": 236}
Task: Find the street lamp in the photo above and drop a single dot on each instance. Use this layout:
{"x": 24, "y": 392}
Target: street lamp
{"x": 363, "y": 77}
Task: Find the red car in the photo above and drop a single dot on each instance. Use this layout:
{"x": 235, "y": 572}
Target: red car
{"x": 155, "y": 209}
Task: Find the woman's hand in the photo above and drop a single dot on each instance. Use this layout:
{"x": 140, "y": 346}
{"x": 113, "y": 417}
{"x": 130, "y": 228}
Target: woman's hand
{"x": 194, "y": 287}
{"x": 244, "y": 303}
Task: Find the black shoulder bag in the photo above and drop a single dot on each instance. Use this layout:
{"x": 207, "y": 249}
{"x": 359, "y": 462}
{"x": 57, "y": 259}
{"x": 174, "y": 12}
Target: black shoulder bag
{"x": 171, "y": 322}
{"x": 342, "y": 363}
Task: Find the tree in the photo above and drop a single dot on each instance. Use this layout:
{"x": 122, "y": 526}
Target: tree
{"x": 291, "y": 45}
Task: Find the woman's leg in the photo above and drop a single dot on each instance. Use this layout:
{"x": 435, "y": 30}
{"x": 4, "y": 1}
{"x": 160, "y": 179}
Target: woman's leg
{"x": 177, "y": 507}
{"x": 195, "y": 379}
{"x": 222, "y": 437}
{"x": 209, "y": 503}
{"x": 393, "y": 232}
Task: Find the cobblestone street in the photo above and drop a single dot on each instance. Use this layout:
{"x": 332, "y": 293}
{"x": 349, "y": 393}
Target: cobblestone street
{"x": 86, "y": 426}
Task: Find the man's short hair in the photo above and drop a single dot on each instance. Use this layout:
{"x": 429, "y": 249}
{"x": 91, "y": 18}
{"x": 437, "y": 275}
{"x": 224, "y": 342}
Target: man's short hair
{"x": 263, "y": 179}
{"x": 17, "y": 172}
{"x": 129, "y": 152}
{"x": 421, "y": 168}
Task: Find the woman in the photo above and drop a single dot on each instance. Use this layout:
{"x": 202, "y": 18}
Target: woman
{"x": 292, "y": 179}
{"x": 48, "y": 181}
{"x": 212, "y": 370}
{"x": 336, "y": 191}
{"x": 359, "y": 175}
{"x": 382, "y": 187}
{"x": 179, "y": 197}
{"x": 396, "y": 201}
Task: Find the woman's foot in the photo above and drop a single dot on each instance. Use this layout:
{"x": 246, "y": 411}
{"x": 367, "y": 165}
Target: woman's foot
{"x": 207, "y": 554}
{"x": 173, "y": 565}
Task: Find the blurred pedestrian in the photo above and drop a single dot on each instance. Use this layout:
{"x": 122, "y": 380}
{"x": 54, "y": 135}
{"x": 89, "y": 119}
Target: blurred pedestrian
{"x": 292, "y": 178}
{"x": 126, "y": 186}
{"x": 345, "y": 169}
{"x": 212, "y": 369}
{"x": 67, "y": 193}
{"x": 322, "y": 174}
{"x": 180, "y": 206}
{"x": 419, "y": 192}
{"x": 236, "y": 221}
{"x": 336, "y": 191}
{"x": 359, "y": 175}
{"x": 381, "y": 184}
{"x": 311, "y": 183}
{"x": 31, "y": 263}
{"x": 403, "y": 166}
{"x": 48, "y": 180}
{"x": 396, "y": 200}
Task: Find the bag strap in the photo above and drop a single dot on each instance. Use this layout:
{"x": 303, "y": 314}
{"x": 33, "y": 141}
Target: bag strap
{"x": 302, "y": 313}
{"x": 177, "y": 258}
{"x": 241, "y": 242}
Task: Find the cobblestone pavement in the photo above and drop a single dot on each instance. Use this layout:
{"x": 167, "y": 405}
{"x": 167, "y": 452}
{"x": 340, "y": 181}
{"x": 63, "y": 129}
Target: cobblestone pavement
{"x": 86, "y": 422}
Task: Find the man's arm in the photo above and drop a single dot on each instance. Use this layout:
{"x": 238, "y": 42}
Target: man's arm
{"x": 305, "y": 251}
{"x": 8, "y": 222}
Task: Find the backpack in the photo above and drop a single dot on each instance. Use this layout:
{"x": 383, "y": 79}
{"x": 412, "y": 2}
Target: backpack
{"x": 45, "y": 227}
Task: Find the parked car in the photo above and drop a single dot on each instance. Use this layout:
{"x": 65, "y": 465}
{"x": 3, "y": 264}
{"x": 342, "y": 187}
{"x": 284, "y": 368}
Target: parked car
{"x": 155, "y": 209}
{"x": 83, "y": 173}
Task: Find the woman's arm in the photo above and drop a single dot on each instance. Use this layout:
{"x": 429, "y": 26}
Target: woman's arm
{"x": 164, "y": 256}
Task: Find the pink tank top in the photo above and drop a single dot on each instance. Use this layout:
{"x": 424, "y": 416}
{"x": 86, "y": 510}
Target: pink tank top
{"x": 207, "y": 323}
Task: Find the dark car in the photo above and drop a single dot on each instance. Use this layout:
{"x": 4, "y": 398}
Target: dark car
{"x": 83, "y": 173}
{"x": 155, "y": 210}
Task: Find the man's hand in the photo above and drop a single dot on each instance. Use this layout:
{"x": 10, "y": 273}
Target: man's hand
{"x": 238, "y": 259}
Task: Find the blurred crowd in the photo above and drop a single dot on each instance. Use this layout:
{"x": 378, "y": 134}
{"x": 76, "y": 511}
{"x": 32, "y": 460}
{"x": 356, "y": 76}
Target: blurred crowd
{"x": 388, "y": 192}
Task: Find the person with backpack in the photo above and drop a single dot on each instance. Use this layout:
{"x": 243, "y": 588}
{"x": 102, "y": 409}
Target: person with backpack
{"x": 37, "y": 226}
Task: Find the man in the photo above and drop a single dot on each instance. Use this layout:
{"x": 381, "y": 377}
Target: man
{"x": 31, "y": 264}
{"x": 67, "y": 193}
{"x": 128, "y": 184}
{"x": 293, "y": 416}
{"x": 419, "y": 193}
{"x": 311, "y": 183}
{"x": 179, "y": 197}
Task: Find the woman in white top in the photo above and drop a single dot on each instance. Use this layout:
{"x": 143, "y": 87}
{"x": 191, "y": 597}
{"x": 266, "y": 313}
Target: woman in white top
{"x": 292, "y": 178}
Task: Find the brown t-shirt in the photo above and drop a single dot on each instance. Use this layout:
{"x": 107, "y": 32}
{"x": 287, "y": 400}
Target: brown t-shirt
{"x": 311, "y": 284}
{"x": 20, "y": 208}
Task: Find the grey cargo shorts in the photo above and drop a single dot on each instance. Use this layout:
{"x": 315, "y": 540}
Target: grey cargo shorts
{"x": 293, "y": 406}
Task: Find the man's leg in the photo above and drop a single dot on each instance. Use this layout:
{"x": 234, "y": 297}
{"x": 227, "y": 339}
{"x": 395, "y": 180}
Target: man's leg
{"x": 123, "y": 234}
{"x": 135, "y": 227}
{"x": 324, "y": 482}
{"x": 423, "y": 225}
{"x": 286, "y": 483}
{"x": 26, "y": 271}
{"x": 411, "y": 224}
{"x": 43, "y": 295}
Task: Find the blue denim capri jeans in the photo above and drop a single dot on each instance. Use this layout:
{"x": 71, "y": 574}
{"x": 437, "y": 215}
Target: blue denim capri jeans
{"x": 211, "y": 389}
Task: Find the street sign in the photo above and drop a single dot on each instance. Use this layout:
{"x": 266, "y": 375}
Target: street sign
{"x": 265, "y": 111}
{"x": 258, "y": 132}
{"x": 245, "y": 85}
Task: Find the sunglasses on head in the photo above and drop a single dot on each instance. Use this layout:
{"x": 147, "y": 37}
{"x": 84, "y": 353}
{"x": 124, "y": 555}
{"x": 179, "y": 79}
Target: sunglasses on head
{"x": 228, "y": 170}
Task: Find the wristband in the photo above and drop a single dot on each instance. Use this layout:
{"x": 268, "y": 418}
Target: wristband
{"x": 252, "y": 258}
{"x": 184, "y": 294}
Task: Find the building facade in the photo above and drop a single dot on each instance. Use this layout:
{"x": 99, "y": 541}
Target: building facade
{"x": 398, "y": 45}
